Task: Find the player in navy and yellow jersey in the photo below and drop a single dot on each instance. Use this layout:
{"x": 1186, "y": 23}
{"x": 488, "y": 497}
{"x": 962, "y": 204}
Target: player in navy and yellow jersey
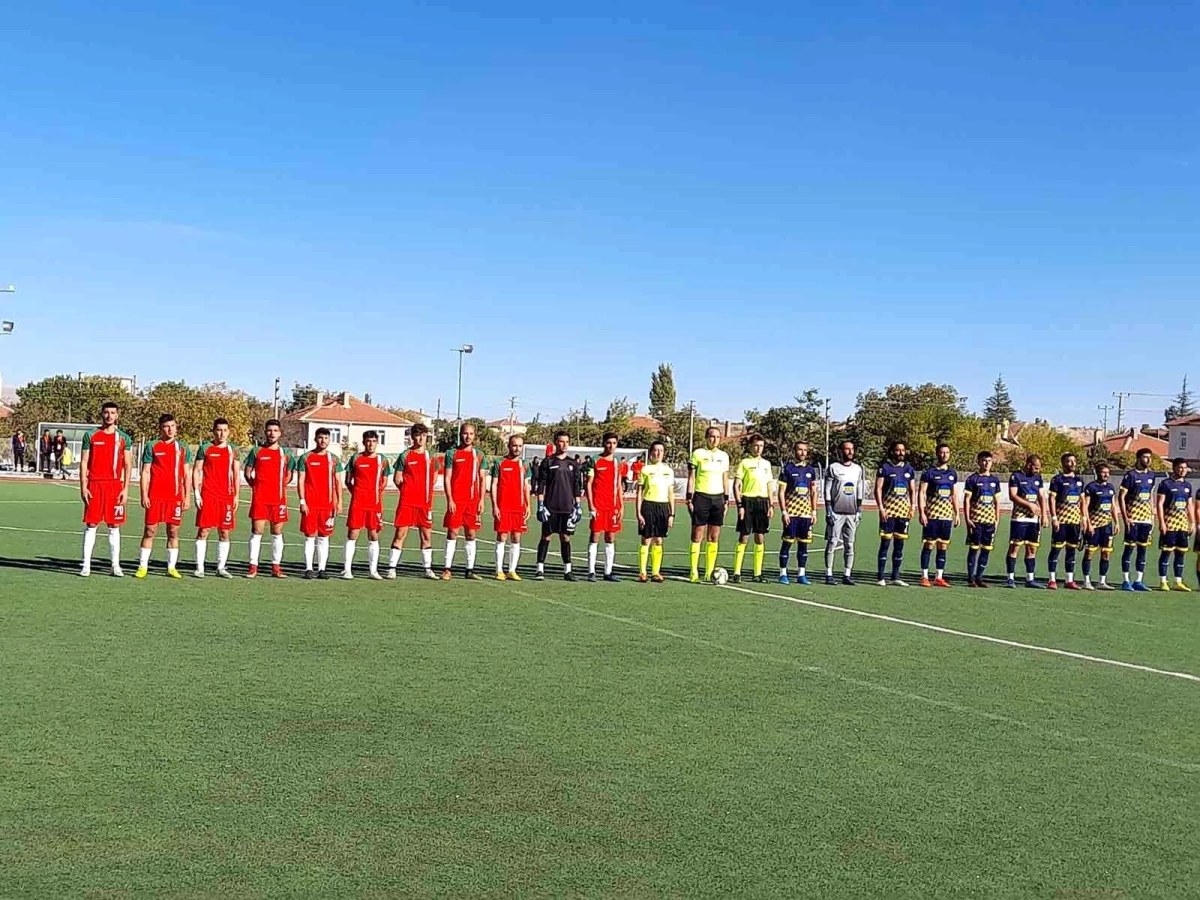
{"x": 939, "y": 515}
{"x": 1136, "y": 497}
{"x": 1176, "y": 515}
{"x": 1026, "y": 490}
{"x": 798, "y": 501}
{"x": 895, "y": 496}
{"x": 981, "y": 511}
{"x": 1066, "y": 519}
{"x": 1101, "y": 518}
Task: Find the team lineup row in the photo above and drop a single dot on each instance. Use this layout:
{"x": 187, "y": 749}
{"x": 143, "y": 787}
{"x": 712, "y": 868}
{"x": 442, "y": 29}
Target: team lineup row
{"x": 1081, "y": 516}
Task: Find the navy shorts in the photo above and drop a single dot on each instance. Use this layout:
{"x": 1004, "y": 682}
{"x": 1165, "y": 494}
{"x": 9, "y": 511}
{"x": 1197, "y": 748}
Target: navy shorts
{"x": 1101, "y": 538}
{"x": 1138, "y": 534}
{"x": 1066, "y": 536}
{"x": 981, "y": 536}
{"x": 937, "y": 531}
{"x": 1173, "y": 540}
{"x": 1028, "y": 533}
{"x": 798, "y": 530}
{"x": 893, "y": 527}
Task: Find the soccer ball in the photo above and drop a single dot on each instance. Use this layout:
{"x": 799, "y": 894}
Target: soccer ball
{"x": 720, "y": 576}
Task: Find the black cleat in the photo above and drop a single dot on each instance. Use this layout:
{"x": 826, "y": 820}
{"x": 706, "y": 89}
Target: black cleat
{"x": 591, "y": 577}
{"x": 760, "y": 579}
{"x": 539, "y": 575}
{"x": 569, "y": 576}
{"x": 735, "y": 579}
{"x": 829, "y": 579}
{"x": 471, "y": 576}
{"x": 611, "y": 577}
{"x": 322, "y": 575}
{"x": 848, "y": 581}
{"x": 308, "y": 575}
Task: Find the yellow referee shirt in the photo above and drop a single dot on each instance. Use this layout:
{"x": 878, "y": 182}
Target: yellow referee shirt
{"x": 657, "y": 481}
{"x": 710, "y": 467}
{"x": 756, "y": 475}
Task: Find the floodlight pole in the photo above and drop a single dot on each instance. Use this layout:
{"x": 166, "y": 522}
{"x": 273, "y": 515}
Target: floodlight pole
{"x": 691, "y": 428}
{"x": 461, "y": 351}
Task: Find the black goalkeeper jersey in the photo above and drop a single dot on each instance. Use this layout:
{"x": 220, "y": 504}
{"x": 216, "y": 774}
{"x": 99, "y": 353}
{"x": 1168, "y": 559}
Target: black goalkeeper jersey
{"x": 560, "y": 483}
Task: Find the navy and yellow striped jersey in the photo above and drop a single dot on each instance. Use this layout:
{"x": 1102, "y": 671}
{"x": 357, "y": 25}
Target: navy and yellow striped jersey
{"x": 1068, "y": 494}
{"x": 897, "y": 502}
{"x": 1139, "y": 489}
{"x": 938, "y": 484}
{"x": 1100, "y": 502}
{"x": 1178, "y": 495}
{"x": 800, "y": 484}
{"x": 983, "y": 492}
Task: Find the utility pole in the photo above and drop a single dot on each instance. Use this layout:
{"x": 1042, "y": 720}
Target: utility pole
{"x": 1120, "y": 406}
{"x": 827, "y": 432}
{"x": 691, "y": 428}
{"x": 1104, "y": 409}
{"x": 275, "y": 405}
{"x": 512, "y": 415}
{"x": 437, "y": 419}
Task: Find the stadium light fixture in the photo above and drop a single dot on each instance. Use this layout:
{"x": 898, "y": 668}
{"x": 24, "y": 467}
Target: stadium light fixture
{"x": 7, "y": 327}
{"x": 461, "y": 351}
{"x": 9, "y": 289}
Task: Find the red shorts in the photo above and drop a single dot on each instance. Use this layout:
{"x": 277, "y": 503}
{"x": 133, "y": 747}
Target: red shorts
{"x": 105, "y": 506}
{"x": 165, "y": 511}
{"x": 359, "y": 517}
{"x": 317, "y": 522}
{"x": 414, "y": 517}
{"x": 464, "y": 516}
{"x": 511, "y": 523}
{"x": 607, "y": 521}
{"x": 215, "y": 512}
{"x": 275, "y": 513}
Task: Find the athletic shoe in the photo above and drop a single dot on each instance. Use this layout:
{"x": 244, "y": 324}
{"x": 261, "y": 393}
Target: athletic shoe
{"x": 1140, "y": 586}
{"x": 1010, "y": 582}
{"x": 322, "y": 575}
{"x": 141, "y": 573}
{"x": 657, "y": 579}
{"x": 643, "y": 578}
{"x": 1088, "y": 586}
{"x": 1180, "y": 586}
{"x": 803, "y": 579}
{"x": 897, "y": 582}
{"x": 970, "y": 582}
{"x": 1127, "y": 586}
{"x": 513, "y": 576}
{"x": 1052, "y": 585}
{"x": 591, "y": 578}
{"x": 500, "y": 576}
{"x": 199, "y": 573}
{"x": 694, "y": 579}
{"x": 979, "y": 583}
{"x": 760, "y": 579}
{"x": 308, "y": 575}
{"x": 1104, "y": 586}
{"x": 829, "y": 579}
{"x": 446, "y": 574}
{"x": 252, "y": 572}
{"x": 1035, "y": 584}
{"x": 941, "y": 582}
{"x": 611, "y": 577}
{"x": 1072, "y": 586}
{"x": 223, "y": 573}
{"x": 85, "y": 572}
{"x": 735, "y": 579}
{"x": 471, "y": 576}
{"x": 375, "y": 576}
{"x": 346, "y": 576}
{"x": 1164, "y": 586}
{"x": 173, "y": 573}
{"x": 783, "y": 579}
{"x": 391, "y": 573}
{"x": 431, "y": 575}
{"x": 569, "y": 576}
{"x": 848, "y": 581}
{"x": 925, "y": 582}
{"x": 882, "y": 582}
{"x": 117, "y": 573}
{"x": 539, "y": 575}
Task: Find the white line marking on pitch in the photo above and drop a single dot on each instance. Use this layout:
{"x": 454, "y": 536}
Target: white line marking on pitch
{"x": 869, "y": 685}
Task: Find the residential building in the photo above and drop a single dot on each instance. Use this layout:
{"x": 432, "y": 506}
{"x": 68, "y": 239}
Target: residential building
{"x": 347, "y": 418}
{"x": 1184, "y": 438}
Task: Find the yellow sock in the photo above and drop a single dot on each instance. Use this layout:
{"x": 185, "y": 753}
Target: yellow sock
{"x": 656, "y": 559}
{"x": 695, "y": 556}
{"x": 759, "y": 550}
{"x": 643, "y": 552}
{"x": 710, "y": 559}
{"x": 738, "y": 556}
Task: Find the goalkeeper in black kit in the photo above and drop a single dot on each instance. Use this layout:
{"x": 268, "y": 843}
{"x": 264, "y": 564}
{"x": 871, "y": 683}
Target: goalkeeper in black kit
{"x": 559, "y": 489}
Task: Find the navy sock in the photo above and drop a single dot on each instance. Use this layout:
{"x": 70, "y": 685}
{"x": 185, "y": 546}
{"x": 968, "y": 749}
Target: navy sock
{"x": 972, "y": 559}
{"x": 884, "y": 544}
{"x": 785, "y": 553}
{"x": 941, "y": 559}
{"x": 1179, "y": 557}
{"x": 1141, "y": 559}
{"x": 1071, "y": 560}
{"x": 1010, "y": 565}
{"x": 897, "y": 558}
{"x": 1164, "y": 560}
{"x": 802, "y": 556}
{"x": 1104, "y": 564}
{"x": 1087, "y": 565}
{"x": 1126, "y": 556}
{"x": 926, "y": 553}
{"x": 1030, "y": 564}
{"x": 1054, "y": 551}
{"x": 983, "y": 561}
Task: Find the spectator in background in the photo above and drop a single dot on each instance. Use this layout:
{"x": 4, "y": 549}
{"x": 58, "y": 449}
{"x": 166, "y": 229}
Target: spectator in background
{"x": 19, "y": 448}
{"x": 45, "y": 451}
{"x": 60, "y": 448}
{"x": 623, "y": 469}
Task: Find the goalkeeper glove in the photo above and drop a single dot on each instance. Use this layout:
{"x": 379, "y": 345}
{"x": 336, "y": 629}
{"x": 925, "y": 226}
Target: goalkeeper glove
{"x": 543, "y": 513}
{"x": 576, "y": 515}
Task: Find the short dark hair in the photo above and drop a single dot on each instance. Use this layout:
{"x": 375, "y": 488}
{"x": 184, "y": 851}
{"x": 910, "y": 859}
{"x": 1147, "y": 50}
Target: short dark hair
{"x": 1032, "y": 458}
{"x": 982, "y": 455}
{"x": 559, "y": 434}
{"x": 610, "y": 435}
{"x": 274, "y": 422}
{"x": 220, "y": 420}
{"x": 796, "y": 444}
{"x": 109, "y": 404}
{"x": 1146, "y": 450}
{"x": 940, "y": 446}
{"x": 419, "y": 428}
{"x": 1066, "y": 456}
{"x": 755, "y": 438}
{"x": 894, "y": 444}
{"x": 322, "y": 431}
{"x": 164, "y": 419}
{"x": 1103, "y": 465}
{"x": 657, "y": 443}
{"x": 371, "y": 435}
{"x": 1179, "y": 461}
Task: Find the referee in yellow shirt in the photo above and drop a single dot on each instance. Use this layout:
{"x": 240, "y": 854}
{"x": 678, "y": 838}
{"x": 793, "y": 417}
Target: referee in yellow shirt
{"x": 752, "y": 491}
{"x": 707, "y": 496}
{"x": 655, "y": 505}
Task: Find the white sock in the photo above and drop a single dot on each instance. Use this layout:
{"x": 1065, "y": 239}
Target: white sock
{"x": 222, "y": 555}
{"x": 610, "y": 556}
{"x": 427, "y": 557}
{"x": 201, "y": 553}
{"x": 89, "y": 544}
{"x": 144, "y": 558}
{"x": 1029, "y": 576}
{"x": 348, "y": 556}
{"x": 499, "y": 557}
{"x": 783, "y": 570}
{"x": 592, "y": 559}
{"x": 114, "y": 546}
{"x": 310, "y": 552}
{"x": 255, "y": 548}
{"x": 566, "y": 568}
{"x": 472, "y": 547}
{"x": 322, "y": 553}
{"x": 276, "y": 549}
{"x": 172, "y": 557}
{"x": 1140, "y": 576}
{"x": 940, "y": 573}
{"x": 1087, "y": 579}
{"x": 924, "y": 573}
{"x": 373, "y": 557}
{"x": 1071, "y": 576}
{"x": 451, "y": 547}
{"x": 394, "y": 558}
{"x": 846, "y": 572}
{"x": 801, "y": 573}
{"x": 514, "y": 556}
{"x": 829, "y": 571}
{"x": 1104, "y": 579}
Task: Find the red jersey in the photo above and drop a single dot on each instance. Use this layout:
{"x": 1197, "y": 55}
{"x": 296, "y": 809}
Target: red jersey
{"x": 319, "y": 471}
{"x": 637, "y": 469}
{"x": 624, "y": 469}
{"x": 219, "y": 471}
{"x": 419, "y": 473}
{"x": 273, "y": 469}
{"x": 106, "y": 454}
{"x": 463, "y": 467}
{"x": 367, "y": 475}
{"x": 606, "y": 485}
{"x": 168, "y": 462}
{"x": 509, "y": 476}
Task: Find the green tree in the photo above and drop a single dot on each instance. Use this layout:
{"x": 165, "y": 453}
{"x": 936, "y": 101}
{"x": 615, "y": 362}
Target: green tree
{"x": 638, "y": 438}
{"x": 620, "y": 411}
{"x": 70, "y": 399}
{"x": 782, "y": 426}
{"x": 486, "y": 440}
{"x": 662, "y": 392}
{"x": 922, "y": 417}
{"x": 969, "y": 436}
{"x": 303, "y": 396}
{"x": 1048, "y": 443}
{"x": 1184, "y": 404}
{"x": 998, "y": 408}
{"x": 194, "y": 409}
{"x": 675, "y": 434}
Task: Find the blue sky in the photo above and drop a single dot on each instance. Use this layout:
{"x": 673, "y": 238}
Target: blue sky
{"x": 769, "y": 196}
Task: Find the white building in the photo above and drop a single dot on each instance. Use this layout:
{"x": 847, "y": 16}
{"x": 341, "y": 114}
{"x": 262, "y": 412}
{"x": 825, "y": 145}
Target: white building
{"x": 1183, "y": 437}
{"x": 347, "y": 418}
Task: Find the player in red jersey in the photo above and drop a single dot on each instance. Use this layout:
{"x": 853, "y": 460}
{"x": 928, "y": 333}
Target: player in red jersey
{"x": 463, "y": 483}
{"x": 105, "y": 465}
{"x": 268, "y": 470}
{"x": 166, "y": 492}
{"x": 606, "y": 501}
{"x": 320, "y": 491}
{"x": 636, "y": 470}
{"x": 414, "y": 474}
{"x": 216, "y": 484}
{"x": 366, "y": 480}
{"x": 510, "y": 506}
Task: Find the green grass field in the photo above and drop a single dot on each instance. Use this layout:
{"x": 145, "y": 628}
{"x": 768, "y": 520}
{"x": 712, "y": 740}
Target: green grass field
{"x": 411, "y": 738}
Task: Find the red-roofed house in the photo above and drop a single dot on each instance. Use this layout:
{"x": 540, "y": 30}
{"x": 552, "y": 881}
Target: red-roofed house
{"x": 1184, "y": 438}
{"x": 647, "y": 422}
{"x": 347, "y": 418}
{"x": 508, "y": 427}
{"x": 5, "y": 412}
{"x": 1133, "y": 440}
